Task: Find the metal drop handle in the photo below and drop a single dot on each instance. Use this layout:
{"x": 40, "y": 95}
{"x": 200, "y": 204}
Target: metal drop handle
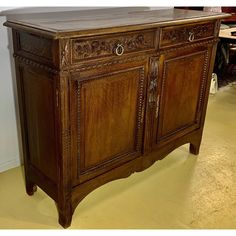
{"x": 191, "y": 37}
{"x": 119, "y": 49}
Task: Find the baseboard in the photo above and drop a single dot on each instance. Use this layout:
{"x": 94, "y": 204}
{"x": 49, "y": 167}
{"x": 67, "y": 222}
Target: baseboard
{"x": 9, "y": 164}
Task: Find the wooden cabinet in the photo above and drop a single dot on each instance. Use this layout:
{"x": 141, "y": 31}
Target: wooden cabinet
{"x": 103, "y": 96}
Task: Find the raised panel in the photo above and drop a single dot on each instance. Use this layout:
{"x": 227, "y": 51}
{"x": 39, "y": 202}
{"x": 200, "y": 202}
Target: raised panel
{"x": 109, "y": 120}
{"x": 182, "y": 88}
{"x": 38, "y": 102}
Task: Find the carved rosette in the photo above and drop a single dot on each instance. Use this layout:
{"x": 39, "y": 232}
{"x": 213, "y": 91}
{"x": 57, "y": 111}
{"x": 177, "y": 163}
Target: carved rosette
{"x": 88, "y": 48}
{"x": 64, "y": 52}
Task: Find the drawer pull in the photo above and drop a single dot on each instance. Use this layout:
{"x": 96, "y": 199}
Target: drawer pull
{"x": 191, "y": 37}
{"x": 119, "y": 49}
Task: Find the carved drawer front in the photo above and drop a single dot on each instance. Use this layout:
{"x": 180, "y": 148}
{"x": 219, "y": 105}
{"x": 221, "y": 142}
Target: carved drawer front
{"x": 171, "y": 36}
{"x": 112, "y": 45}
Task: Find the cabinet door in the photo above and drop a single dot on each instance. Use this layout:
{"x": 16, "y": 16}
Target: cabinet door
{"x": 176, "y": 92}
{"x": 107, "y": 118}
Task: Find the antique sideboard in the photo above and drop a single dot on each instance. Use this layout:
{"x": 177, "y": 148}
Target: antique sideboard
{"x": 105, "y": 93}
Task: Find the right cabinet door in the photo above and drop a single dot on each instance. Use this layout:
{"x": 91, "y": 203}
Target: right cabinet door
{"x": 180, "y": 79}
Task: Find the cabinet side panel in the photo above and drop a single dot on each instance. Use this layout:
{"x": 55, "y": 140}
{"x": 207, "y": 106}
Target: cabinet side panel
{"x": 38, "y": 102}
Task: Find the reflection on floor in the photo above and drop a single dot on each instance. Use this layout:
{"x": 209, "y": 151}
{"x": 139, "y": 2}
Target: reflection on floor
{"x": 181, "y": 191}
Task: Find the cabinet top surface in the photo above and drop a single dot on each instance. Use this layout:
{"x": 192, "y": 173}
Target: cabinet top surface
{"x": 87, "y": 22}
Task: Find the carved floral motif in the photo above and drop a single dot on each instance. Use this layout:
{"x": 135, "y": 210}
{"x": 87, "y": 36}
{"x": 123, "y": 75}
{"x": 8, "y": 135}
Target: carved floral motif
{"x": 89, "y": 48}
{"x": 182, "y": 34}
{"x": 153, "y": 82}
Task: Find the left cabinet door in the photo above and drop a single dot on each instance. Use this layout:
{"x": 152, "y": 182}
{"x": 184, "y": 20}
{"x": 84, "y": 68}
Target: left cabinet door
{"x": 107, "y": 107}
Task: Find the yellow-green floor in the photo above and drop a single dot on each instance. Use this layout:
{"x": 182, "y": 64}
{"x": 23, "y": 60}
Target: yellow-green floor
{"x": 181, "y": 191}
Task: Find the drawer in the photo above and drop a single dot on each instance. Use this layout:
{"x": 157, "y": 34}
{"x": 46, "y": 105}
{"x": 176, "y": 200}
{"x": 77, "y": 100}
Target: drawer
{"x": 112, "y": 45}
{"x": 171, "y": 36}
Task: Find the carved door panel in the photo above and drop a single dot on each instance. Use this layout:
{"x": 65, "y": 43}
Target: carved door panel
{"x": 176, "y": 89}
{"x": 107, "y": 118}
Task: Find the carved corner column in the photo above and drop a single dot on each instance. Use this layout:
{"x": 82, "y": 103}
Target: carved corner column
{"x": 64, "y": 203}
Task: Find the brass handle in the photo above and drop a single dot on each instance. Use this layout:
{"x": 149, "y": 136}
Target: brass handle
{"x": 119, "y": 49}
{"x": 191, "y": 37}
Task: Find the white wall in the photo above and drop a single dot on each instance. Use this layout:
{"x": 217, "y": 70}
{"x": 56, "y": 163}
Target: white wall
{"x": 9, "y": 148}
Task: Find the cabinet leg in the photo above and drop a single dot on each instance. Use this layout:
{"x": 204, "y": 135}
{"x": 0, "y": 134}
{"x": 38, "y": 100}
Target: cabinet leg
{"x": 31, "y": 188}
{"x": 195, "y": 147}
{"x": 65, "y": 216}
